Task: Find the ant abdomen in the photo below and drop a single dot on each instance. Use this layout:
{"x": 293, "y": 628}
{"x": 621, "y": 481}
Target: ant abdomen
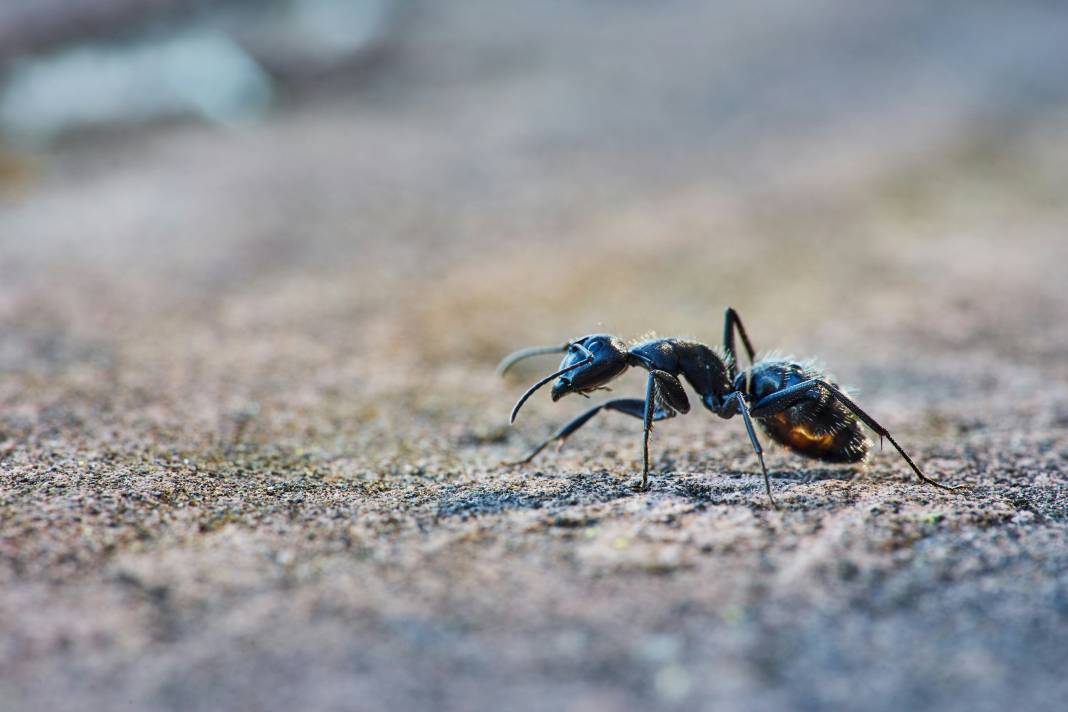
{"x": 816, "y": 426}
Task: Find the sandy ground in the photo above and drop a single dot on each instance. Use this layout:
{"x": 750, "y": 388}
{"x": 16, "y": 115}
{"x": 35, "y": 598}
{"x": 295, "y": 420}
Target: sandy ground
{"x": 250, "y": 431}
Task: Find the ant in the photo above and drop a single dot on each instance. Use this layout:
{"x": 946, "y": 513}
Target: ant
{"x": 796, "y": 404}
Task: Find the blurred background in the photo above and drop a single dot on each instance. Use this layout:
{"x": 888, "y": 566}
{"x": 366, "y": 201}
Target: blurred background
{"x": 251, "y": 248}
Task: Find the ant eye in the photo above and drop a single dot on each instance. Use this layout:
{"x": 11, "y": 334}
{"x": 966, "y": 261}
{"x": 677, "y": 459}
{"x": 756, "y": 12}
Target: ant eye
{"x": 595, "y": 346}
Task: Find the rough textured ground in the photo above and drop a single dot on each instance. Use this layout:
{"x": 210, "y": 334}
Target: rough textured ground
{"x": 249, "y": 429}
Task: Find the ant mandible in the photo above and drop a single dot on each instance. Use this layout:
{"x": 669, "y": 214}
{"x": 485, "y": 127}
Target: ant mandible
{"x": 795, "y": 403}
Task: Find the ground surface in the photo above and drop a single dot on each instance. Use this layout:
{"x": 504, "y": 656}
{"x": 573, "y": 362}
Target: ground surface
{"x": 249, "y": 428}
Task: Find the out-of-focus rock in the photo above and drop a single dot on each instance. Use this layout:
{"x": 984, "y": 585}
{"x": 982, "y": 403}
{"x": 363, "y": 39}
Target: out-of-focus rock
{"x": 302, "y": 37}
{"x": 198, "y": 72}
{"x": 216, "y": 62}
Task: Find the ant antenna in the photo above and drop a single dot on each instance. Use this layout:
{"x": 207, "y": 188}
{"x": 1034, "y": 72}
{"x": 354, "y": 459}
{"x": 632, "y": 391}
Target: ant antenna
{"x": 584, "y": 362}
{"x": 515, "y": 357}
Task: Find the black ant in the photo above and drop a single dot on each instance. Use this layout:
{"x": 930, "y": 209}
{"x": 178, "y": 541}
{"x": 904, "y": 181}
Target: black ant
{"x": 796, "y": 404}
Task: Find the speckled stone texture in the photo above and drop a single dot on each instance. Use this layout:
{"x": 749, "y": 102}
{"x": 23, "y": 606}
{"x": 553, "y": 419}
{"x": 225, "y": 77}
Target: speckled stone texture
{"x": 250, "y": 431}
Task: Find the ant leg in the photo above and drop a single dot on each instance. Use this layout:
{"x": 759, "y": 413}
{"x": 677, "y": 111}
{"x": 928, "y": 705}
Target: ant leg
{"x": 742, "y": 408}
{"x": 778, "y": 402}
{"x": 634, "y": 407}
{"x": 732, "y": 321}
{"x": 663, "y": 387}
{"x": 650, "y": 406}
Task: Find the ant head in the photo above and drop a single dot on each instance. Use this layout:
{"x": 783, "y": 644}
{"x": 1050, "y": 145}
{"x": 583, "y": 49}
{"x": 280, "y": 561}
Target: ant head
{"x": 589, "y": 364}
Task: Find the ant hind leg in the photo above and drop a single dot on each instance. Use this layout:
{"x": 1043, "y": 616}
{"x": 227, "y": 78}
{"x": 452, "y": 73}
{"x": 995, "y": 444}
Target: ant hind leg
{"x": 778, "y": 402}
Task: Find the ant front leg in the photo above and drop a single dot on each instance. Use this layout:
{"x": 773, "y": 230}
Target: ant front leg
{"x": 650, "y": 397}
{"x": 665, "y": 388}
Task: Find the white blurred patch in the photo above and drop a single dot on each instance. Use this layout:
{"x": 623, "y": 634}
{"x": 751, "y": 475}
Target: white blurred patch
{"x": 314, "y": 35}
{"x": 198, "y": 72}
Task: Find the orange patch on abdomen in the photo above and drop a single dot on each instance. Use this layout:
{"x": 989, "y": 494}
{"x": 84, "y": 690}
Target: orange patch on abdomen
{"x": 831, "y": 446}
{"x": 804, "y": 440}
{"x": 798, "y": 437}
